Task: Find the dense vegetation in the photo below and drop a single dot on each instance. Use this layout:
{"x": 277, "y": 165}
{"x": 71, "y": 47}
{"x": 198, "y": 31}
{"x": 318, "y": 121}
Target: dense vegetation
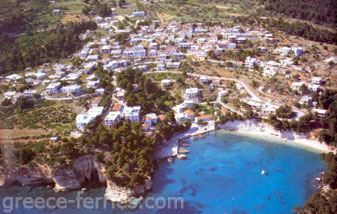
{"x": 307, "y": 31}
{"x": 328, "y": 100}
{"x": 23, "y": 15}
{"x": 325, "y": 203}
{"x": 301, "y": 29}
{"x": 285, "y": 112}
{"x": 97, "y": 7}
{"x": 32, "y": 50}
{"x": 320, "y": 12}
{"x": 142, "y": 91}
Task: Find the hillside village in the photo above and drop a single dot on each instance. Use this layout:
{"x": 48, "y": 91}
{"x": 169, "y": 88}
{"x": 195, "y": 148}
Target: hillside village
{"x": 155, "y": 47}
{"x": 135, "y": 87}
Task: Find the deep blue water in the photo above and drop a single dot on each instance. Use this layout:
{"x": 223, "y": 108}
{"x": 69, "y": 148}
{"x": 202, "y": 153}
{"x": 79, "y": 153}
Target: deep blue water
{"x": 221, "y": 175}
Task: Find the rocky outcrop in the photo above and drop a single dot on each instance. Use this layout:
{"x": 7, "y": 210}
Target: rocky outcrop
{"x": 83, "y": 169}
{"x": 64, "y": 178}
{"x": 125, "y": 195}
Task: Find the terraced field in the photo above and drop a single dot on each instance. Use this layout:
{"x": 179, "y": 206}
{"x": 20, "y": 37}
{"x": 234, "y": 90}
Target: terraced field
{"x": 5, "y": 7}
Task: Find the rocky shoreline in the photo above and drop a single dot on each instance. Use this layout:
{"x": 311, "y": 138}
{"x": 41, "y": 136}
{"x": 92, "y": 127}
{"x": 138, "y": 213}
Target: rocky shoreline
{"x": 84, "y": 169}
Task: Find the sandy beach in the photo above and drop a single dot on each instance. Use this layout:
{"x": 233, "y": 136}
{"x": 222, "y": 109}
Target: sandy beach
{"x": 246, "y": 127}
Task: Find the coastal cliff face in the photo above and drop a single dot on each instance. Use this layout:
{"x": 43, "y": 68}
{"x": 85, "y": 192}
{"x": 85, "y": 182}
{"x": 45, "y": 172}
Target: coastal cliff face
{"x": 125, "y": 195}
{"x": 84, "y": 169}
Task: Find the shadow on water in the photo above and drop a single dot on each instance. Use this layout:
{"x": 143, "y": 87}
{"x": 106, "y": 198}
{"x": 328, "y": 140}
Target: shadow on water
{"x": 161, "y": 177}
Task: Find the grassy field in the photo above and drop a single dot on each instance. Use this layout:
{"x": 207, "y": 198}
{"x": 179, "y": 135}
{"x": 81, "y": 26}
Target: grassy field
{"x": 72, "y": 7}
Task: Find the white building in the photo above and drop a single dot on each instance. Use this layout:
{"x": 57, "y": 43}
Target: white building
{"x": 71, "y": 89}
{"x": 82, "y": 120}
{"x": 166, "y": 82}
{"x": 295, "y": 86}
{"x": 53, "y": 88}
{"x": 29, "y": 93}
{"x": 191, "y": 93}
{"x": 317, "y": 80}
{"x": 204, "y": 79}
{"x": 132, "y": 113}
{"x": 138, "y": 13}
{"x": 250, "y": 62}
{"x": 106, "y": 49}
{"x": 268, "y": 109}
{"x": 112, "y": 118}
{"x": 298, "y": 51}
{"x": 136, "y": 52}
{"x": 93, "y": 84}
{"x": 313, "y": 87}
{"x": 13, "y": 77}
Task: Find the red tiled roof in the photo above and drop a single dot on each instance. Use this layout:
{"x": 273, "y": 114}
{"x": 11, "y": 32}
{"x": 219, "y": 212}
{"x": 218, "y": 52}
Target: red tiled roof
{"x": 97, "y": 100}
{"x": 205, "y": 116}
{"x": 189, "y": 112}
{"x": 162, "y": 117}
{"x": 116, "y": 107}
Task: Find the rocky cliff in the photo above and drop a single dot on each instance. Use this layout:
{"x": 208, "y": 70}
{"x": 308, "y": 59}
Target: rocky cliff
{"x": 84, "y": 169}
{"x": 64, "y": 178}
{"x": 125, "y": 195}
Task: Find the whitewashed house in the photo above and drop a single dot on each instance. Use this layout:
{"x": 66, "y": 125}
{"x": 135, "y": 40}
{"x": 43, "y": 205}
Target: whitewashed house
{"x": 132, "y": 113}
{"x": 29, "y": 93}
{"x": 317, "y": 80}
{"x": 295, "y": 86}
{"x": 71, "y": 89}
{"x": 268, "y": 109}
{"x": 53, "y": 88}
{"x": 191, "y": 93}
{"x": 112, "y": 118}
{"x": 166, "y": 82}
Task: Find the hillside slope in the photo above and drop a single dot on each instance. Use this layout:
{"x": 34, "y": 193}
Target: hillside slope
{"x": 316, "y": 11}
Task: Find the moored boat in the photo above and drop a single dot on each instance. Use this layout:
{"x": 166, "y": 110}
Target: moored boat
{"x": 181, "y": 157}
{"x": 184, "y": 144}
{"x": 169, "y": 160}
{"x": 184, "y": 151}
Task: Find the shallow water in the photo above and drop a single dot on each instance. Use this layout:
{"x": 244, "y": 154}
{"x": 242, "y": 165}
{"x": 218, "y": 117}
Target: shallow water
{"x": 221, "y": 175}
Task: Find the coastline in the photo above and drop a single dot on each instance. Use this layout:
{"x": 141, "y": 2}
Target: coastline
{"x": 249, "y": 128}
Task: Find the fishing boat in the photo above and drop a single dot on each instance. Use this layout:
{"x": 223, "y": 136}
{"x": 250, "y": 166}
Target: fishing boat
{"x": 169, "y": 160}
{"x": 183, "y": 151}
{"x": 181, "y": 157}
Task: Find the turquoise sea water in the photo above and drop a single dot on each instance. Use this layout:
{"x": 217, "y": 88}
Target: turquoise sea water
{"x": 221, "y": 175}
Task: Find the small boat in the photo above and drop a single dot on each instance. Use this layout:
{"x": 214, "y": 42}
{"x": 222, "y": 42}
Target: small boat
{"x": 201, "y": 136}
{"x": 169, "y": 160}
{"x": 181, "y": 157}
{"x": 194, "y": 138}
{"x": 185, "y": 144}
{"x": 184, "y": 151}
{"x": 263, "y": 172}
